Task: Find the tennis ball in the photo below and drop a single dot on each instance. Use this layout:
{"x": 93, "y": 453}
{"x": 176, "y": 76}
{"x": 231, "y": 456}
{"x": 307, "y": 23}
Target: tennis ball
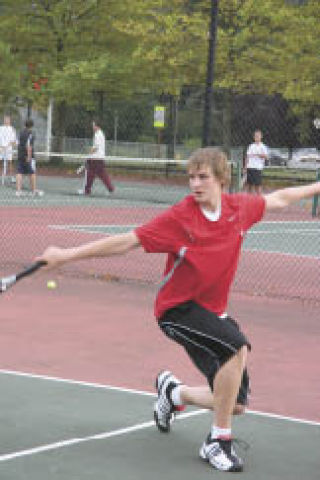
{"x": 51, "y": 284}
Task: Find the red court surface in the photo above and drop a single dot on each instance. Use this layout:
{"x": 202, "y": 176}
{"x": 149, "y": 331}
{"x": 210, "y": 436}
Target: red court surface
{"x": 105, "y": 332}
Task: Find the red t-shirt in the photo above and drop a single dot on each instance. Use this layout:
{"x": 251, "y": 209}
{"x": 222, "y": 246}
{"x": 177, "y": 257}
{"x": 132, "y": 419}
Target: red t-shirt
{"x": 202, "y": 254}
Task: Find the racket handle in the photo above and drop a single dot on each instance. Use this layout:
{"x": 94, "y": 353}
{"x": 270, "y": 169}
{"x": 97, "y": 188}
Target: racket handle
{"x": 33, "y": 268}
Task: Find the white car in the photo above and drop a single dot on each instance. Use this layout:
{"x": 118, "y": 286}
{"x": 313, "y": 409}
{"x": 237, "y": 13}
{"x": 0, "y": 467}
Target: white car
{"x": 277, "y": 157}
{"x": 306, "y": 158}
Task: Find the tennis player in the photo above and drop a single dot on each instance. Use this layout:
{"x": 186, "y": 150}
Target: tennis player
{"x": 202, "y": 235}
{"x": 95, "y": 165}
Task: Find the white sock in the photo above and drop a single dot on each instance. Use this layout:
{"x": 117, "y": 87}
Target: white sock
{"x": 176, "y": 396}
{"x": 217, "y": 432}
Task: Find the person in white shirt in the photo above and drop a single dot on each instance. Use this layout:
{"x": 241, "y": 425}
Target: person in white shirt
{"x": 257, "y": 154}
{"x": 95, "y": 165}
{"x": 8, "y": 140}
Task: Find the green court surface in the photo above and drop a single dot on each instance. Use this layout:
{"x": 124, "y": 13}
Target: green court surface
{"x": 285, "y": 237}
{"x": 65, "y": 430}
{"x": 63, "y": 191}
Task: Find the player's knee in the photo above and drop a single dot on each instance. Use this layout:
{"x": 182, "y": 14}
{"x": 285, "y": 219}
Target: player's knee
{"x": 239, "y": 409}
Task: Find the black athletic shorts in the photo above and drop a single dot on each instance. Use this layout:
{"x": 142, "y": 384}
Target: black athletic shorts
{"x": 209, "y": 340}
{"x": 26, "y": 168}
{"x": 254, "y": 176}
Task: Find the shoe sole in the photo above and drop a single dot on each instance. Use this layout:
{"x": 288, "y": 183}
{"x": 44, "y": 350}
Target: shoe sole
{"x": 160, "y": 427}
{"x": 158, "y": 385}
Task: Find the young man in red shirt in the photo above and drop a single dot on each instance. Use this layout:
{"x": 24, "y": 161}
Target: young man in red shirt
{"x": 202, "y": 236}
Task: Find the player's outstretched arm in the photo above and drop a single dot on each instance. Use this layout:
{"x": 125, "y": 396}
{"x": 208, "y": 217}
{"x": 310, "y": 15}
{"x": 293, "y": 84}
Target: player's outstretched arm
{"x": 105, "y": 247}
{"x": 284, "y": 197}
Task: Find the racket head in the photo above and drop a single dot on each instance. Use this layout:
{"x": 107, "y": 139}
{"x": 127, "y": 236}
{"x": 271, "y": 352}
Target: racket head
{"x": 7, "y": 282}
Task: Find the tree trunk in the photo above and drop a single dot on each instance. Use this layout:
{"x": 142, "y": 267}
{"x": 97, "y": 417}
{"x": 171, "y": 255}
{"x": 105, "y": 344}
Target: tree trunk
{"x": 227, "y": 121}
{"x": 60, "y": 130}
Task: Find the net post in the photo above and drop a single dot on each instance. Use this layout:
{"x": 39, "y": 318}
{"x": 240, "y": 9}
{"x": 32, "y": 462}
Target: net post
{"x": 315, "y": 201}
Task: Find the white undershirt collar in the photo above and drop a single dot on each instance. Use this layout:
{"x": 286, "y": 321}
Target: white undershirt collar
{"x": 212, "y": 215}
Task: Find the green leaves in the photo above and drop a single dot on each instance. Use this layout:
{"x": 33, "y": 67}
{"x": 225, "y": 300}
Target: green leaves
{"x": 84, "y": 46}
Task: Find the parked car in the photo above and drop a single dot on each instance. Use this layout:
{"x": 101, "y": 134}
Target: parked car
{"x": 308, "y": 158}
{"x": 277, "y": 157}
{"x": 306, "y": 155}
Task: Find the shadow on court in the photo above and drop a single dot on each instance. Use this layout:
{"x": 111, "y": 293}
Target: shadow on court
{"x": 67, "y": 430}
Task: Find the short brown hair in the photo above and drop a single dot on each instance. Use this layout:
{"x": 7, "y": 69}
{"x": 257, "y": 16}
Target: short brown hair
{"x": 214, "y": 158}
{"x": 29, "y": 123}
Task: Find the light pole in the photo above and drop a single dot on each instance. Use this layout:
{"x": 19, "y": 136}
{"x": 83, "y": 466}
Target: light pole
{"x": 207, "y": 114}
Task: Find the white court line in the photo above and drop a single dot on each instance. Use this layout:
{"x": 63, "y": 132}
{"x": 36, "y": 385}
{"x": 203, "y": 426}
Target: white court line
{"x": 75, "y": 382}
{"x": 111, "y": 225}
{"x": 86, "y": 228}
{"x": 296, "y": 222}
{"x": 98, "y": 436}
{"x": 296, "y": 231}
{"x": 284, "y": 418}
{"x": 277, "y": 252}
{"x": 139, "y": 392}
{"x": 121, "y": 431}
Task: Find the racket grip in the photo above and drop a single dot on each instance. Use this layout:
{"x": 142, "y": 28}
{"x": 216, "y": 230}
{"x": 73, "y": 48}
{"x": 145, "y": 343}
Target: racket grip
{"x": 33, "y": 268}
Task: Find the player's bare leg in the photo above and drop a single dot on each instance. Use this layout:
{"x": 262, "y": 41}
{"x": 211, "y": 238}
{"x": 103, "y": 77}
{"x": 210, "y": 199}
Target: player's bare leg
{"x": 226, "y": 388}
{"x": 33, "y": 182}
{"x": 202, "y": 397}
{"x": 218, "y": 449}
{"x": 18, "y": 184}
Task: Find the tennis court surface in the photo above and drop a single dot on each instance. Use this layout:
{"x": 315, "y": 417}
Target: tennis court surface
{"x": 98, "y": 422}
{"x": 65, "y": 429}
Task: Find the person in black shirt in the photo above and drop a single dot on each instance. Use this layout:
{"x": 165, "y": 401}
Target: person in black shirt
{"x": 26, "y": 161}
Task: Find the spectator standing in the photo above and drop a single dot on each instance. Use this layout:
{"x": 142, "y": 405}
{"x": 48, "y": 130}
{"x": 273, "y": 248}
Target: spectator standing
{"x": 257, "y": 155}
{"x": 8, "y": 140}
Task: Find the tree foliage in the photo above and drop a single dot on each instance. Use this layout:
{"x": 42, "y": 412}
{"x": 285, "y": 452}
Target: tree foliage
{"x": 120, "y": 48}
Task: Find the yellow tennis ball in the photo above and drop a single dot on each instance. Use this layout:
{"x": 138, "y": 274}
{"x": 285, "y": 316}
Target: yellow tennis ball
{"x": 51, "y": 284}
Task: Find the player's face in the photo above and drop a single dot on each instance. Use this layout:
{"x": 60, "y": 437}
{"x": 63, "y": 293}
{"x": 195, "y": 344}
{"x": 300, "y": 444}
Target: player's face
{"x": 257, "y": 136}
{"x": 6, "y": 120}
{"x": 205, "y": 187}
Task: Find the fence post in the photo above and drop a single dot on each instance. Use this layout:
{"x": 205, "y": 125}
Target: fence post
{"x": 315, "y": 201}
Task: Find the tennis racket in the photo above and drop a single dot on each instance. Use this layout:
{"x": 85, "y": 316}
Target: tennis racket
{"x": 7, "y": 282}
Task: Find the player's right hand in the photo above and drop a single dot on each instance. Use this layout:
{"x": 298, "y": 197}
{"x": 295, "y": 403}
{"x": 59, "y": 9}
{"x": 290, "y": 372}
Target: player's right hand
{"x": 53, "y": 256}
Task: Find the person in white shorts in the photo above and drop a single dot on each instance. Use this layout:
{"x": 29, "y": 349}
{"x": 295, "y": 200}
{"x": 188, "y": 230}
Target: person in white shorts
{"x": 8, "y": 140}
{"x": 257, "y": 155}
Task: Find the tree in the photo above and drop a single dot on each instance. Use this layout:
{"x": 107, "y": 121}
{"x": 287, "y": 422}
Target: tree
{"x": 71, "y": 44}
{"x": 8, "y": 82}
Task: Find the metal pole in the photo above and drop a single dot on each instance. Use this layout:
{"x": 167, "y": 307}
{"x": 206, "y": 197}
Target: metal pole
{"x": 315, "y": 201}
{"x": 206, "y": 133}
{"x": 49, "y": 127}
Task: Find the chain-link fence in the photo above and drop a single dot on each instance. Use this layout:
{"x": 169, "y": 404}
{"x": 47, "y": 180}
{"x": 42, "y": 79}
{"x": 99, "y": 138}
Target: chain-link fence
{"x": 281, "y": 258}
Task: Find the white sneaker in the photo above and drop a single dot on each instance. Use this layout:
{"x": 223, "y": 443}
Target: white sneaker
{"x": 80, "y": 192}
{"x": 37, "y": 193}
{"x": 164, "y": 410}
{"x": 221, "y": 455}
{"x": 19, "y": 193}
{"x": 13, "y": 180}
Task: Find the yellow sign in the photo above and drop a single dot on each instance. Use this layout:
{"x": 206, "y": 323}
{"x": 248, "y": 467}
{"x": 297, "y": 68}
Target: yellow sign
{"x": 158, "y": 121}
